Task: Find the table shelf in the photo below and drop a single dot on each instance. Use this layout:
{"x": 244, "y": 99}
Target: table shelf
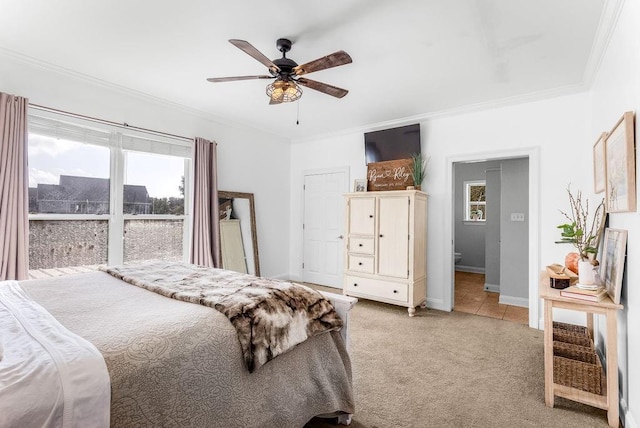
{"x": 609, "y": 399}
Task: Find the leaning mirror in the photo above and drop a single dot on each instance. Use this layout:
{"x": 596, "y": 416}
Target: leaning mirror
{"x": 238, "y": 237}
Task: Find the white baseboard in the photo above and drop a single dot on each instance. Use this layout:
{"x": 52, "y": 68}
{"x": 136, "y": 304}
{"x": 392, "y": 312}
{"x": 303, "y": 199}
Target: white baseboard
{"x": 494, "y": 288}
{"x": 470, "y": 269}
{"x": 437, "y": 304}
{"x": 627, "y": 420}
{"x": 514, "y": 301}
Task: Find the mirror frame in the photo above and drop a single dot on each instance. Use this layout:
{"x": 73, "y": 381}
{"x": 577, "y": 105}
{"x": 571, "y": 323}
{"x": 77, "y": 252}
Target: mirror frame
{"x": 254, "y": 235}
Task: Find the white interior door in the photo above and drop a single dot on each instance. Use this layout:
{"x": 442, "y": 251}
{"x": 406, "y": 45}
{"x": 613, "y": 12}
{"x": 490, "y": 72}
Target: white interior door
{"x": 323, "y": 223}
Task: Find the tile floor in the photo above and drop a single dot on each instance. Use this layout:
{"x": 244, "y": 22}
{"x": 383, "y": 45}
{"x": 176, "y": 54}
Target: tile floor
{"x": 470, "y": 297}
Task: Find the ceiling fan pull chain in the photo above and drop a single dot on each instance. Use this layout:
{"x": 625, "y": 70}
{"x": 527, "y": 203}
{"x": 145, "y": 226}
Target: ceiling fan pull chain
{"x": 298, "y": 113}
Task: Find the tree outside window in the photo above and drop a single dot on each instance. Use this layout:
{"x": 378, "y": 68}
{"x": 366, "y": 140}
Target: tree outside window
{"x": 475, "y": 200}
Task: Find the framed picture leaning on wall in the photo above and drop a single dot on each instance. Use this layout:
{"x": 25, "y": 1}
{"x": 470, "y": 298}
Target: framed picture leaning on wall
{"x": 620, "y": 166}
{"x": 612, "y": 267}
{"x": 599, "y": 172}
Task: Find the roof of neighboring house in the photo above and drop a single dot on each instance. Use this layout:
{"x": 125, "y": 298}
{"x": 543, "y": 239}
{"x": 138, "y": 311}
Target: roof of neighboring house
{"x": 74, "y": 188}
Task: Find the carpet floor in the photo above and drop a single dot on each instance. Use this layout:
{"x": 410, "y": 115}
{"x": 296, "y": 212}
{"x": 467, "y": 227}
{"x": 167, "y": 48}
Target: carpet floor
{"x": 454, "y": 369}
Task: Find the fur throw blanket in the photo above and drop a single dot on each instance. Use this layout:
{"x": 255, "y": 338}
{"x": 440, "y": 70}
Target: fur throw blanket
{"x": 270, "y": 316}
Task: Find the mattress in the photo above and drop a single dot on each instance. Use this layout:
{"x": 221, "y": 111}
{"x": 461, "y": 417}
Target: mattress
{"x": 174, "y": 363}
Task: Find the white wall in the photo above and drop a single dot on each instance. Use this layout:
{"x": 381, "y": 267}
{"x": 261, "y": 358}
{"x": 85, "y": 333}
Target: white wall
{"x": 248, "y": 160}
{"x": 555, "y": 126}
{"x": 616, "y": 90}
{"x": 562, "y": 132}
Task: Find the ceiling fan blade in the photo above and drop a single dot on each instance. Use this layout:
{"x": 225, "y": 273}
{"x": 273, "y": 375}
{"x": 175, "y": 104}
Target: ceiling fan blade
{"x": 332, "y": 60}
{"x": 229, "y": 79}
{"x": 323, "y": 87}
{"x": 255, "y": 53}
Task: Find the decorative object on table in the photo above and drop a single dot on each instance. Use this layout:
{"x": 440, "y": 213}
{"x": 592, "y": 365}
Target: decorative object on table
{"x": 620, "y": 166}
{"x": 577, "y": 292}
{"x": 560, "y": 277}
{"x": 583, "y": 233}
{"x": 612, "y": 267}
{"x": 599, "y": 171}
{"x": 571, "y": 261}
{"x": 360, "y": 185}
{"x": 419, "y": 167}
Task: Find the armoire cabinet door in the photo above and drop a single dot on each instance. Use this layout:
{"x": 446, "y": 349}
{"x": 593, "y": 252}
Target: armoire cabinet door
{"x": 393, "y": 236}
{"x": 362, "y": 216}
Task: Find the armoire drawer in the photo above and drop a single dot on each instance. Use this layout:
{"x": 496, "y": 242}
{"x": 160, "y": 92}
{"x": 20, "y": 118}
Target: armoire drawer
{"x": 361, "y": 245}
{"x": 358, "y": 263}
{"x": 376, "y": 288}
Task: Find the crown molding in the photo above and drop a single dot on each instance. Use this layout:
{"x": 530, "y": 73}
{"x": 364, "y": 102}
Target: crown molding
{"x": 456, "y": 111}
{"x": 161, "y": 102}
{"x": 606, "y": 26}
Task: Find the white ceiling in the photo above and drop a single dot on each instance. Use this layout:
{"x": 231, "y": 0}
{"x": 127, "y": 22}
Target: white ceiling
{"x": 411, "y": 58}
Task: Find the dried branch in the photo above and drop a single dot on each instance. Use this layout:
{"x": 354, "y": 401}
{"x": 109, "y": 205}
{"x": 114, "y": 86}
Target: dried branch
{"x": 578, "y": 232}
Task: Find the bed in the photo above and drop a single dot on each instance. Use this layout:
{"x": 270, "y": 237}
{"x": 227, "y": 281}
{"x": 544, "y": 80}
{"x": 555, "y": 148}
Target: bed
{"x": 176, "y": 363}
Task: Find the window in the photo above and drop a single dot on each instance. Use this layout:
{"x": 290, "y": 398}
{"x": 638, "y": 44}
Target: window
{"x": 102, "y": 194}
{"x": 475, "y": 200}
{"x": 153, "y": 207}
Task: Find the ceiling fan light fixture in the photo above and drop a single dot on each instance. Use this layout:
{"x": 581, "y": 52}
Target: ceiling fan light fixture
{"x": 284, "y": 91}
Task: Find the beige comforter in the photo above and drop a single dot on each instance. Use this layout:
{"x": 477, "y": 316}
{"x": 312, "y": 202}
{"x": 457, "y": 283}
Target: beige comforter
{"x": 178, "y": 364}
{"x": 271, "y": 316}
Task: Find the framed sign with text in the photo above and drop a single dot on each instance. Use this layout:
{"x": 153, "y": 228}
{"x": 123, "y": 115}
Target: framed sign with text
{"x": 389, "y": 175}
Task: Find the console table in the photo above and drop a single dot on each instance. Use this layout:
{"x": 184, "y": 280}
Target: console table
{"x": 609, "y": 400}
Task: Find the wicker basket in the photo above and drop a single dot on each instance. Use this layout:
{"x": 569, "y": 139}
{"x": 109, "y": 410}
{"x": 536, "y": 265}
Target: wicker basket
{"x": 575, "y": 352}
{"x": 569, "y": 333}
{"x": 570, "y": 327}
{"x": 575, "y": 371}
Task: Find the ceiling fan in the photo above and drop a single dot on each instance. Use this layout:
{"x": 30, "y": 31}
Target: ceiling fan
{"x": 287, "y": 72}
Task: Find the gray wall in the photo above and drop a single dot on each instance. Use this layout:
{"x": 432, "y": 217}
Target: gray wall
{"x": 492, "y": 230}
{"x": 469, "y": 236}
{"x": 514, "y": 245}
{"x": 498, "y": 247}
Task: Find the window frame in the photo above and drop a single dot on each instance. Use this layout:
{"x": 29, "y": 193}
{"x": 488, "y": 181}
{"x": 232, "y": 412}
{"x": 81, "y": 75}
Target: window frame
{"x": 118, "y": 139}
{"x": 468, "y": 202}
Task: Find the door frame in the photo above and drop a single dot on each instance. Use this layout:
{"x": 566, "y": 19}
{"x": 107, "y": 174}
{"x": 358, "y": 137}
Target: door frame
{"x": 533, "y": 154}
{"x": 321, "y": 171}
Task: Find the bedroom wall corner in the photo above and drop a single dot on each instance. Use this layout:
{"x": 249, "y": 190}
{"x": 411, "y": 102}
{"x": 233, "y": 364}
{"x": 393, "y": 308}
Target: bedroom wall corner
{"x": 616, "y": 89}
{"x": 248, "y": 160}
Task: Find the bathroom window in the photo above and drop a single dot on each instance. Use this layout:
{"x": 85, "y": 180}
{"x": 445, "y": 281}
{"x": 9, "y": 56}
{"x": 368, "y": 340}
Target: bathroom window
{"x": 475, "y": 200}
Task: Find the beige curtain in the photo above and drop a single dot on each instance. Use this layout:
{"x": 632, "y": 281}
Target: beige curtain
{"x": 205, "y": 243}
{"x": 14, "y": 188}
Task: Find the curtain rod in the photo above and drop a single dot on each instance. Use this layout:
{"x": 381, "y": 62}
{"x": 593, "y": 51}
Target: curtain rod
{"x": 108, "y": 122}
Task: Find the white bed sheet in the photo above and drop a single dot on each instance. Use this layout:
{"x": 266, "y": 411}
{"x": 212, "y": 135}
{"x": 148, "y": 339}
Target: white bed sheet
{"x": 49, "y": 376}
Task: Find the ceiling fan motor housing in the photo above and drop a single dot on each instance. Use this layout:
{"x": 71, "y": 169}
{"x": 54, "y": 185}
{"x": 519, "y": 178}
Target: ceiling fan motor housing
{"x": 285, "y": 64}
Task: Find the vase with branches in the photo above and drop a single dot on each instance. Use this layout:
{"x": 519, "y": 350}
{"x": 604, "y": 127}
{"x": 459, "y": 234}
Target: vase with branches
{"x": 582, "y": 231}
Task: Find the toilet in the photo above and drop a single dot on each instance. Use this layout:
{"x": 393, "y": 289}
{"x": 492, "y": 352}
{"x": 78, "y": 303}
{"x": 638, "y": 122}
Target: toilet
{"x": 457, "y": 257}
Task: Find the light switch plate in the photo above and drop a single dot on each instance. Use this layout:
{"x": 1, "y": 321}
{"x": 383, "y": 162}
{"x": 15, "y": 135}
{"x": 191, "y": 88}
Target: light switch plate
{"x": 517, "y": 216}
